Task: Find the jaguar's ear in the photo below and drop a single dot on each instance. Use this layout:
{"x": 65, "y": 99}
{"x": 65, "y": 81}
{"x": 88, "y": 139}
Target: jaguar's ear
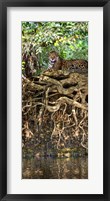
{"x": 53, "y": 52}
{"x": 57, "y": 53}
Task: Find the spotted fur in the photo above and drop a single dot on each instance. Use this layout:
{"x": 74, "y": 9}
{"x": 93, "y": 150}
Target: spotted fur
{"x": 58, "y": 63}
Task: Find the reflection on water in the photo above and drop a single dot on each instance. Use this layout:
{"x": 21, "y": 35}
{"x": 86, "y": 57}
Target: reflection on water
{"x": 67, "y": 168}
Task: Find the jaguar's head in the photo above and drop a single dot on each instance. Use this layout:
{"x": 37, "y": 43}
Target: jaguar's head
{"x": 53, "y": 57}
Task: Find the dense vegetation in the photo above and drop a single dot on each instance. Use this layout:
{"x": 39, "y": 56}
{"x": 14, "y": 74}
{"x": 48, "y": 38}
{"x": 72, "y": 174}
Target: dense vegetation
{"x": 69, "y": 39}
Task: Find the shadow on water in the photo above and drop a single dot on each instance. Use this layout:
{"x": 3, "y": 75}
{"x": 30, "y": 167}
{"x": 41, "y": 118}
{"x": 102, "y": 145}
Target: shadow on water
{"x": 49, "y": 168}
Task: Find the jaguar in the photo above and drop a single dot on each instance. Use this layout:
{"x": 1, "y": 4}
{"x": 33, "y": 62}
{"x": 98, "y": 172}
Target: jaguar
{"x": 57, "y": 63}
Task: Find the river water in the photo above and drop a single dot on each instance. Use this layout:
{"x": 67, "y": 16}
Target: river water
{"x": 49, "y": 168}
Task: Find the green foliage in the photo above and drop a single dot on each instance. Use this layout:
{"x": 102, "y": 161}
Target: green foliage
{"x": 69, "y": 39}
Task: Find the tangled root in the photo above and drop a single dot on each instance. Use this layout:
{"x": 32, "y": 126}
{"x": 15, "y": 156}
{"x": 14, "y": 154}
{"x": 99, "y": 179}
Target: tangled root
{"x": 55, "y": 109}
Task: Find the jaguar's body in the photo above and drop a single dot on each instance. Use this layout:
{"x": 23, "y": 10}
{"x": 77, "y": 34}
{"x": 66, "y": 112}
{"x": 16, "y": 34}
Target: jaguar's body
{"x": 58, "y": 63}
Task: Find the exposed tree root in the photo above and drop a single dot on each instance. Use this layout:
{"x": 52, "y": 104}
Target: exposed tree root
{"x": 55, "y": 109}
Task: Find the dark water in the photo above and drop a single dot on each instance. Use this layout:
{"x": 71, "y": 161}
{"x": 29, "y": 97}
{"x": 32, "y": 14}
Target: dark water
{"x": 68, "y": 168}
